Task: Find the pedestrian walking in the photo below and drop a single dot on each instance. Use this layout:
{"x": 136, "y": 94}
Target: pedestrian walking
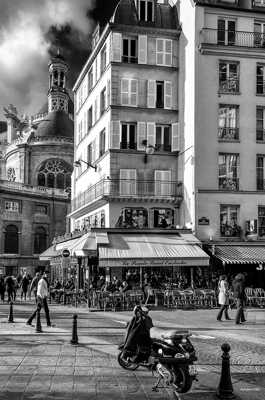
{"x": 240, "y": 297}
{"x": 24, "y": 286}
{"x": 10, "y": 288}
{"x": 34, "y": 285}
{"x": 2, "y": 288}
{"x": 223, "y": 298}
{"x": 42, "y": 294}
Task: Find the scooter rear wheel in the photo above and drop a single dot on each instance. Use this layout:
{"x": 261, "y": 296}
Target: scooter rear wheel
{"x": 182, "y": 380}
{"x": 126, "y": 364}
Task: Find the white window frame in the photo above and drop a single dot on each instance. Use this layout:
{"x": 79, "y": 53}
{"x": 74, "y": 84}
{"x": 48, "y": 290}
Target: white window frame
{"x": 163, "y": 126}
{"x": 163, "y": 53}
{"x": 128, "y": 185}
{"x": 130, "y": 92}
{"x": 162, "y": 185}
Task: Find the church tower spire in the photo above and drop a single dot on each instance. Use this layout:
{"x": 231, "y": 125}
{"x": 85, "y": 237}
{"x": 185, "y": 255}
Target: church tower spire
{"x": 58, "y": 97}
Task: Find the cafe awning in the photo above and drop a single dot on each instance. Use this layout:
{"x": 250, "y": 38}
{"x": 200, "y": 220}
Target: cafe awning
{"x": 48, "y": 254}
{"x": 240, "y": 254}
{"x": 136, "y": 249}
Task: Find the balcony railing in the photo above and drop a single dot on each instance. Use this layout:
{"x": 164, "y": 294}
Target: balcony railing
{"x": 230, "y": 85}
{"x": 129, "y": 188}
{"x": 128, "y": 145}
{"x": 41, "y": 190}
{"x": 233, "y": 38}
{"x": 232, "y": 230}
{"x": 227, "y": 133}
{"x": 226, "y": 183}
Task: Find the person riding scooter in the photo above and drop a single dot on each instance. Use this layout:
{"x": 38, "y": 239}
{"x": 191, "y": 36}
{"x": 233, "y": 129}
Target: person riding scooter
{"x": 137, "y": 344}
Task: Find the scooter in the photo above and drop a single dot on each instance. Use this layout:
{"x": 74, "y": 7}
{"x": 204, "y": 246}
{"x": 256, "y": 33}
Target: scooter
{"x": 172, "y": 357}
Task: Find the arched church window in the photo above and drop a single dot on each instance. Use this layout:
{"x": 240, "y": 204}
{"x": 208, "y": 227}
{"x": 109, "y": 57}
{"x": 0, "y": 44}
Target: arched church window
{"x": 41, "y": 180}
{"x": 11, "y": 174}
{"x": 60, "y": 181}
{"x": 50, "y": 180}
{"x": 40, "y": 240}
{"x": 68, "y": 181}
{"x": 11, "y": 239}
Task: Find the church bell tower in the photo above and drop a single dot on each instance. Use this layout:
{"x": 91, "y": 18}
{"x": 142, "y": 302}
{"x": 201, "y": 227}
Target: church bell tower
{"x": 58, "y": 97}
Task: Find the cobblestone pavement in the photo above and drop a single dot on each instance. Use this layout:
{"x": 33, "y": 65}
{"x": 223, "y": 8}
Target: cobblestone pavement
{"x": 47, "y": 366}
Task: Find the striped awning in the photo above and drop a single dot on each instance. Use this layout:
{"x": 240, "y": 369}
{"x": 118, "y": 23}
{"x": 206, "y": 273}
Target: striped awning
{"x": 240, "y": 254}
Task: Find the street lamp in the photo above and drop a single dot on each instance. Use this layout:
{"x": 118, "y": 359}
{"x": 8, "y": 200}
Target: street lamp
{"x": 78, "y": 164}
{"x": 149, "y": 149}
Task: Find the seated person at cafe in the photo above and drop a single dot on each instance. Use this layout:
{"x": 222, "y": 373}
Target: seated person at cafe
{"x": 101, "y": 282}
{"x": 69, "y": 287}
{"x": 116, "y": 283}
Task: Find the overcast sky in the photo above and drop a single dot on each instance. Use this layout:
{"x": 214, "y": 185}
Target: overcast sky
{"x": 30, "y": 30}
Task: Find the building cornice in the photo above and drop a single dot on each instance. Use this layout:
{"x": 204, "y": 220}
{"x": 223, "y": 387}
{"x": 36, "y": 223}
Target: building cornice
{"x": 235, "y": 193}
{"x": 234, "y": 51}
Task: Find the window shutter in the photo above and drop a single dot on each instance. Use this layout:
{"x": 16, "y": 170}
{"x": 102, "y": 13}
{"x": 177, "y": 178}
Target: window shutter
{"x": 96, "y": 110}
{"x": 116, "y": 46}
{"x": 151, "y": 139}
{"x": 98, "y": 66}
{"x": 115, "y": 135}
{"x": 168, "y": 53}
{"x": 160, "y": 51}
{"x": 141, "y": 135}
{"x": 168, "y": 95}
{"x": 108, "y": 94}
{"x": 92, "y": 151}
{"x": 96, "y": 148}
{"x": 175, "y": 137}
{"x": 134, "y": 92}
{"x": 151, "y": 94}
{"x": 142, "y": 49}
{"x": 107, "y": 50}
{"x": 85, "y": 123}
{"x": 125, "y": 92}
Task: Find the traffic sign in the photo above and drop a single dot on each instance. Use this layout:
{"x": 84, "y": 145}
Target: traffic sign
{"x": 65, "y": 253}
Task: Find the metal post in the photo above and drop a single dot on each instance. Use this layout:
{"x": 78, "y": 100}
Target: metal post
{"x": 225, "y": 388}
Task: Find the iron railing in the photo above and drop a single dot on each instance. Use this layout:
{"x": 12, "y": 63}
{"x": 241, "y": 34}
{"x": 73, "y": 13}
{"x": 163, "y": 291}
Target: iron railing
{"x": 226, "y": 183}
{"x": 21, "y": 187}
{"x": 232, "y": 38}
{"x": 230, "y": 85}
{"x": 129, "y": 188}
{"x": 227, "y": 133}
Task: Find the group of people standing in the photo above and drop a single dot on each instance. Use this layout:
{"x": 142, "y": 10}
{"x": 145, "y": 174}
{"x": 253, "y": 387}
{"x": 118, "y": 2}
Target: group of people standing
{"x": 238, "y": 298}
{"x": 9, "y": 285}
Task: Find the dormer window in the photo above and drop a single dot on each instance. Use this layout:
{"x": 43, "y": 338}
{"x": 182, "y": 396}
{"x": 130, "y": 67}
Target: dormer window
{"x": 146, "y": 10}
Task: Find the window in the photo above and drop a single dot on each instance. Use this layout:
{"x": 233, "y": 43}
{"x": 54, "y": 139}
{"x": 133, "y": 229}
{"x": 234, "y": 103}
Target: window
{"x": 259, "y": 34}
{"x": 90, "y": 79}
{"x": 228, "y": 77}
{"x": 228, "y": 171}
{"x": 40, "y": 240}
{"x": 129, "y": 92}
{"x": 128, "y": 136}
{"x": 260, "y": 123}
{"x": 261, "y": 221}
{"x": 127, "y": 182}
{"x": 41, "y": 209}
{"x": 103, "y": 59}
{"x": 102, "y": 142}
{"x": 228, "y": 122}
{"x": 129, "y": 50}
{"x": 11, "y": 239}
{"x": 163, "y": 218}
{"x": 133, "y": 218}
{"x": 159, "y": 94}
{"x": 103, "y": 101}
{"x": 260, "y": 165}
{"x": 229, "y": 221}
{"x": 163, "y": 137}
{"x": 89, "y": 118}
{"x": 12, "y": 206}
{"x": 164, "y": 52}
{"x": 11, "y": 174}
{"x": 146, "y": 10}
{"x": 163, "y": 183}
{"x": 226, "y": 32}
{"x": 89, "y": 153}
{"x": 259, "y": 3}
{"x": 55, "y": 174}
{"x": 260, "y": 79}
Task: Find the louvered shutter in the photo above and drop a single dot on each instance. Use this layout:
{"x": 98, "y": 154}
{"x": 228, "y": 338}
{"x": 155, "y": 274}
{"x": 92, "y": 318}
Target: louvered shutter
{"x": 134, "y": 92}
{"x": 98, "y": 66}
{"x": 85, "y": 123}
{"x": 116, "y": 46}
{"x": 93, "y": 151}
{"x": 141, "y": 135}
{"x": 127, "y": 182}
{"x": 115, "y": 135}
{"x": 163, "y": 183}
{"x": 160, "y": 51}
{"x": 142, "y": 49}
{"x": 168, "y": 95}
{"x": 108, "y": 93}
{"x": 151, "y": 134}
{"x": 125, "y": 87}
{"x": 151, "y": 94}
{"x": 168, "y": 52}
{"x": 96, "y": 148}
{"x": 107, "y": 50}
{"x": 175, "y": 137}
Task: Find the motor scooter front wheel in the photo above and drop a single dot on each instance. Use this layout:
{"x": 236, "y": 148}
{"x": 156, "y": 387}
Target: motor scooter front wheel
{"x": 126, "y": 364}
{"x": 182, "y": 381}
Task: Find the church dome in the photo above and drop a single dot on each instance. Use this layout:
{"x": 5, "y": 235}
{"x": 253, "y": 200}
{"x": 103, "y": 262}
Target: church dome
{"x": 56, "y": 124}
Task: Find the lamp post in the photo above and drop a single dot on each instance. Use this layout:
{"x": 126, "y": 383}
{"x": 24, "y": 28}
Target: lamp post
{"x": 78, "y": 164}
{"x": 149, "y": 149}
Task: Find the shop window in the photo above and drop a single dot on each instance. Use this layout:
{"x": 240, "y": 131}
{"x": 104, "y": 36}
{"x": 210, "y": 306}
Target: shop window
{"x": 40, "y": 240}
{"x": 163, "y": 218}
{"x": 11, "y": 239}
{"x": 229, "y": 221}
{"x": 261, "y": 221}
{"x": 133, "y": 218}
{"x": 102, "y": 219}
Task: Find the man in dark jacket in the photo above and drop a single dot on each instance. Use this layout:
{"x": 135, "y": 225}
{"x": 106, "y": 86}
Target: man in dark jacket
{"x": 240, "y": 297}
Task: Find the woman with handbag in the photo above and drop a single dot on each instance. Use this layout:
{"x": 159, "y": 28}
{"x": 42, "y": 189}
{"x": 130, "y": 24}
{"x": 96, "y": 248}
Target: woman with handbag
{"x": 223, "y": 298}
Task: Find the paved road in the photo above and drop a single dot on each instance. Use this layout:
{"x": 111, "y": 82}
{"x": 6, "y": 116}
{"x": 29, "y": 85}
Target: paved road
{"x": 46, "y": 366}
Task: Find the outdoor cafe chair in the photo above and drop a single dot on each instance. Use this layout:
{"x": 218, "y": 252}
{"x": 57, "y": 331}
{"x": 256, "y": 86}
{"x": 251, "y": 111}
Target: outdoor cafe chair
{"x": 259, "y": 295}
{"x": 251, "y": 298}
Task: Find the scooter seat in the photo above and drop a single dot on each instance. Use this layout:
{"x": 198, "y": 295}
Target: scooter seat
{"x": 162, "y": 334}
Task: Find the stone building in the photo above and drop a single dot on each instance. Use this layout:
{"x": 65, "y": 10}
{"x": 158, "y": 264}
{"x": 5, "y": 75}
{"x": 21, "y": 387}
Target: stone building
{"x": 35, "y": 175}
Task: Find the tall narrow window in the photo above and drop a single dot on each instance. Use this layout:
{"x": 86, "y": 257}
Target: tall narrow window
{"x": 146, "y": 10}
{"x": 163, "y": 183}
{"x": 260, "y": 165}
{"x": 260, "y": 87}
{"x": 89, "y": 118}
{"x": 228, "y": 122}
{"x": 129, "y": 53}
{"x": 89, "y": 153}
{"x": 103, "y": 59}
{"x": 228, "y": 77}
{"x": 228, "y": 171}
{"x": 90, "y": 79}
{"x": 260, "y": 124}
{"x": 261, "y": 221}
{"x": 103, "y": 101}
{"x": 163, "y": 138}
{"x": 226, "y": 32}
{"x": 164, "y": 52}
{"x": 229, "y": 221}
{"x": 159, "y": 94}
{"x": 102, "y": 142}
{"x": 11, "y": 239}
{"x": 129, "y": 92}
{"x": 40, "y": 240}
{"x": 128, "y": 136}
{"x": 127, "y": 182}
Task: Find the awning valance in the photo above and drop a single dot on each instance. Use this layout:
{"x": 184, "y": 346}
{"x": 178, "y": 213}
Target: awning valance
{"x": 240, "y": 254}
{"x": 136, "y": 249}
{"x": 49, "y": 253}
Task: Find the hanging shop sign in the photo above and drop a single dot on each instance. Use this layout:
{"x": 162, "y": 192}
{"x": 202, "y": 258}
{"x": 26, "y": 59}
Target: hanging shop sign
{"x": 203, "y": 221}
{"x": 65, "y": 253}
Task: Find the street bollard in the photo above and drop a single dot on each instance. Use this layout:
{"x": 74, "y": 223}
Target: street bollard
{"x": 225, "y": 388}
{"x": 74, "y": 330}
{"x": 11, "y": 318}
{"x": 38, "y": 322}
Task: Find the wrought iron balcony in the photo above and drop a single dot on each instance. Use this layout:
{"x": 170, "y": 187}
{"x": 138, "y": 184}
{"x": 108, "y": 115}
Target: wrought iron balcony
{"x": 170, "y": 191}
{"x": 38, "y": 190}
{"x": 227, "y": 133}
{"x": 231, "y": 184}
{"x": 229, "y": 86}
{"x": 128, "y": 145}
{"x": 230, "y": 230}
{"x": 218, "y": 37}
